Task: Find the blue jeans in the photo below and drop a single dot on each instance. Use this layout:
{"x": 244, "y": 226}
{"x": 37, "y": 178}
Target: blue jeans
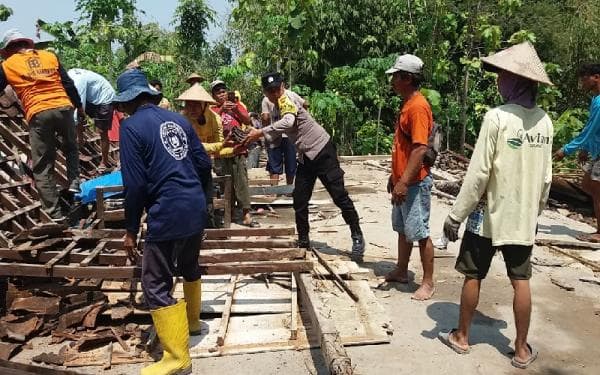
{"x": 284, "y": 153}
{"x": 411, "y": 218}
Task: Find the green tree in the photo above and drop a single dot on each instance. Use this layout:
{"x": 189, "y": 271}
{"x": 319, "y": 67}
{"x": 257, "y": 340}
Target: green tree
{"x": 5, "y": 12}
{"x": 192, "y": 19}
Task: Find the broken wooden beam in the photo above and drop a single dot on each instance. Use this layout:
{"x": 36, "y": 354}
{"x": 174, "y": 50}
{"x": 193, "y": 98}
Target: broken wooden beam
{"x": 226, "y": 311}
{"x": 247, "y": 244}
{"x": 93, "y": 254}
{"x": 567, "y": 243}
{"x": 258, "y": 267}
{"x": 211, "y": 256}
{"x": 294, "y": 309}
{"x": 37, "y": 304}
{"x": 15, "y": 368}
{"x": 593, "y": 265}
{"x": 248, "y": 232}
{"x": 60, "y": 255}
{"x": 271, "y": 190}
{"x": 337, "y": 360}
{"x": 337, "y": 278}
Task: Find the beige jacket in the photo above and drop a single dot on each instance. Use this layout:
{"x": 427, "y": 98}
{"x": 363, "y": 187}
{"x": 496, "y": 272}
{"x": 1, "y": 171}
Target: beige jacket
{"x": 511, "y": 168}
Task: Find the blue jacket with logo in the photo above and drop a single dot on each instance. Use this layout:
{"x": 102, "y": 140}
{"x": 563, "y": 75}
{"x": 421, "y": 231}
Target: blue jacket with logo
{"x": 164, "y": 167}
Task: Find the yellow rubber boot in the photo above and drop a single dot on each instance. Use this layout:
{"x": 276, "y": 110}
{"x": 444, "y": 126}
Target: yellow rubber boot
{"x": 192, "y": 293}
{"x": 172, "y": 330}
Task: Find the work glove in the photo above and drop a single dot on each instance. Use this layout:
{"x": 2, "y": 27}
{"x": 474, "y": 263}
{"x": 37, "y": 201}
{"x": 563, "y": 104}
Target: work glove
{"x": 451, "y": 227}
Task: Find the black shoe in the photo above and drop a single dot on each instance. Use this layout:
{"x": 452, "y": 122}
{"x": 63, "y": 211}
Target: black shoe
{"x": 74, "y": 186}
{"x": 303, "y": 241}
{"x": 358, "y": 248}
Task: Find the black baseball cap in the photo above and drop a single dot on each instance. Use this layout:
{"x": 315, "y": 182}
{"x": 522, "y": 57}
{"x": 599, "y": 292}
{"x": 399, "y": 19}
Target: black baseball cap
{"x": 271, "y": 80}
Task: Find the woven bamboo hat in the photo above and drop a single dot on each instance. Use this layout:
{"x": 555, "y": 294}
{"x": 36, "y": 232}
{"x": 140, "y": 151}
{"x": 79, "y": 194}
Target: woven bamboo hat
{"x": 194, "y": 78}
{"x": 520, "y": 59}
{"x": 196, "y": 93}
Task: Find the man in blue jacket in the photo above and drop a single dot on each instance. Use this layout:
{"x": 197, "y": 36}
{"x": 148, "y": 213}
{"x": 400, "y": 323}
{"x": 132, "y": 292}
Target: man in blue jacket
{"x": 164, "y": 167}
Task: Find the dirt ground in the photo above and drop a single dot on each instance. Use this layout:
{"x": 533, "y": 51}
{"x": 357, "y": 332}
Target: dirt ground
{"x": 565, "y": 325}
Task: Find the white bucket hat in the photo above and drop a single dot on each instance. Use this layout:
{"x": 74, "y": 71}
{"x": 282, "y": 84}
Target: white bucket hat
{"x": 13, "y": 36}
{"x": 407, "y": 63}
{"x": 520, "y": 59}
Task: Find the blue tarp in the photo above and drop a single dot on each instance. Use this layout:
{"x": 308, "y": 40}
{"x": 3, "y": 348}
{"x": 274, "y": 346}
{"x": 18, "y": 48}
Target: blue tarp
{"x": 88, "y": 188}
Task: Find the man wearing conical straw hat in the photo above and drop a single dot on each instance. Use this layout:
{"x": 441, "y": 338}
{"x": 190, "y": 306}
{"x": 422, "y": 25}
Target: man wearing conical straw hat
{"x": 505, "y": 190}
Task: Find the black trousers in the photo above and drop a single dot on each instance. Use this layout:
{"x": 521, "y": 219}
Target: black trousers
{"x": 164, "y": 260}
{"x": 326, "y": 167}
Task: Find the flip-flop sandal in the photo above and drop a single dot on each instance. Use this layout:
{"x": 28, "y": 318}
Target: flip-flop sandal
{"x": 252, "y": 224}
{"x": 524, "y": 365}
{"x": 445, "y": 338}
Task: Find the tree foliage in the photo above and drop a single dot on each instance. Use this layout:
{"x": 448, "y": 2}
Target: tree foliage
{"x": 192, "y": 19}
{"x": 5, "y": 12}
{"x": 335, "y": 53}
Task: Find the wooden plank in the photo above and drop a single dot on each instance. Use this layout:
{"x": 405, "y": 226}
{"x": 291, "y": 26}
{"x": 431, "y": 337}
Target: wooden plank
{"x": 271, "y": 190}
{"x": 127, "y": 272}
{"x": 11, "y": 185}
{"x": 15, "y": 368}
{"x": 226, "y": 311}
{"x": 337, "y": 278}
{"x": 114, "y": 215}
{"x": 250, "y": 255}
{"x": 254, "y": 268}
{"x": 97, "y": 250}
{"x": 258, "y": 182}
{"x": 91, "y": 272}
{"x": 11, "y": 215}
{"x": 61, "y": 255}
{"x": 593, "y": 265}
{"x": 294, "y": 317}
{"x": 248, "y": 232}
{"x": 567, "y": 243}
{"x": 364, "y": 157}
{"x": 119, "y": 258}
{"x": 247, "y": 244}
{"x": 336, "y": 358}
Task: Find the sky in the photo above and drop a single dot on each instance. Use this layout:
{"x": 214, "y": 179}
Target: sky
{"x": 27, "y": 12}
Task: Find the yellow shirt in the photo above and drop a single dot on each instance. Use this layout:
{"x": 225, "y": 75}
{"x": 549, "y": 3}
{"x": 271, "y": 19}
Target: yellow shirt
{"x": 211, "y": 134}
{"x": 511, "y": 168}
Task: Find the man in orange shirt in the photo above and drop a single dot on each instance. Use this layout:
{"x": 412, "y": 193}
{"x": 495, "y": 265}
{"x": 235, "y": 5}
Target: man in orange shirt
{"x": 48, "y": 96}
{"x": 410, "y": 182}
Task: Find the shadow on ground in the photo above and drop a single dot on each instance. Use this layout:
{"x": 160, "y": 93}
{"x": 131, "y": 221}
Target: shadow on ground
{"x": 484, "y": 329}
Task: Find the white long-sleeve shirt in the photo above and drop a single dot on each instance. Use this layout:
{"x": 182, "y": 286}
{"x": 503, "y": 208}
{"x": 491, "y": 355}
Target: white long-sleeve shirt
{"x": 511, "y": 168}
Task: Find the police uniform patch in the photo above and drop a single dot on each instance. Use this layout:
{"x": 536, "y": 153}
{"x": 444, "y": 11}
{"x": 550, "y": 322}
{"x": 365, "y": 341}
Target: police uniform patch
{"x": 286, "y": 106}
{"x": 174, "y": 139}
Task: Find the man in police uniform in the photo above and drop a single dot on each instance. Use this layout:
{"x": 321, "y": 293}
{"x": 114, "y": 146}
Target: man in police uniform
{"x": 317, "y": 158}
{"x": 164, "y": 167}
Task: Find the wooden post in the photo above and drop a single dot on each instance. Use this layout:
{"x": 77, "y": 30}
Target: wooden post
{"x": 337, "y": 360}
{"x": 226, "y": 311}
{"x": 294, "y": 318}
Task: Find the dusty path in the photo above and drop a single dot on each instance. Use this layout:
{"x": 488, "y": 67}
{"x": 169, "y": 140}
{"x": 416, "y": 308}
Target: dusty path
{"x": 565, "y": 325}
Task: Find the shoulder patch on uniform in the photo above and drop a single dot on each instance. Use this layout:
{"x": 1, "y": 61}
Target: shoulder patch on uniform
{"x": 286, "y": 106}
{"x": 174, "y": 139}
